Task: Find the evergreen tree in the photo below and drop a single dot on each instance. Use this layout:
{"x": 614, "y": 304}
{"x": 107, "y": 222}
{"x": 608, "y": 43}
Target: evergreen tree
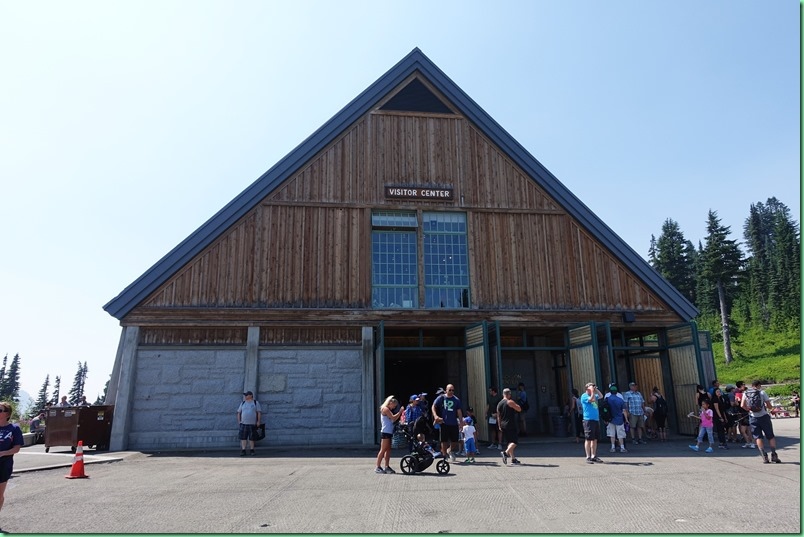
{"x": 78, "y": 383}
{"x": 56, "y": 387}
{"x": 41, "y": 398}
{"x": 774, "y": 265}
{"x": 3, "y": 379}
{"x": 11, "y": 380}
{"x": 675, "y": 258}
{"x": 652, "y": 251}
{"x": 102, "y": 398}
{"x": 721, "y": 262}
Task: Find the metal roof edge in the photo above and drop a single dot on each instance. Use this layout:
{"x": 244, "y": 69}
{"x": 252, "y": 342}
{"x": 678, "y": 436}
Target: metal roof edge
{"x": 163, "y": 269}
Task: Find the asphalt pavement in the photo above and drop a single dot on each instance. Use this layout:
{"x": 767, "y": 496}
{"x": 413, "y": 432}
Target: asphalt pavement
{"x": 655, "y": 488}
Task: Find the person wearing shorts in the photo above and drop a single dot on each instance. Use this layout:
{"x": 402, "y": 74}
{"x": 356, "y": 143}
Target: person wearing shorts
{"x": 447, "y": 414}
{"x": 591, "y": 421}
{"x": 508, "y": 421}
{"x": 10, "y": 443}
{"x": 635, "y": 412}
{"x": 760, "y": 422}
{"x": 248, "y": 418}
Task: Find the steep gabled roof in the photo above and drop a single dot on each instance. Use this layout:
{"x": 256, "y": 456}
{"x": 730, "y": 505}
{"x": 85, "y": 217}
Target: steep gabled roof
{"x": 166, "y": 267}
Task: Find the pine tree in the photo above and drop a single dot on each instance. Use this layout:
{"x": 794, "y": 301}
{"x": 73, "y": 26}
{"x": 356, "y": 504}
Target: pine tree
{"x": 102, "y": 398}
{"x": 78, "y": 384}
{"x": 674, "y": 258}
{"x": 11, "y": 381}
{"x": 56, "y": 387}
{"x": 721, "y": 262}
{"x": 41, "y": 398}
{"x": 3, "y": 379}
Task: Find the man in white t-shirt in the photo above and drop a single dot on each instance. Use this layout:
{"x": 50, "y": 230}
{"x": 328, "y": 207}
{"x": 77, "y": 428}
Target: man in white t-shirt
{"x": 757, "y": 403}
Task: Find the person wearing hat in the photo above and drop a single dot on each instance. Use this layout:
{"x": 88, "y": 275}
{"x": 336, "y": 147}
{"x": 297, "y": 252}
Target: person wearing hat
{"x": 635, "y": 412}
{"x": 469, "y": 435}
{"x": 412, "y": 413}
{"x": 248, "y": 417}
{"x": 616, "y": 427}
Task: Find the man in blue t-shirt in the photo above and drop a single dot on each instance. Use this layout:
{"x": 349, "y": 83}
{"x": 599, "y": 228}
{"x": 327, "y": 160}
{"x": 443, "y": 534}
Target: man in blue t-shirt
{"x": 591, "y": 423}
{"x": 447, "y": 414}
{"x": 616, "y": 427}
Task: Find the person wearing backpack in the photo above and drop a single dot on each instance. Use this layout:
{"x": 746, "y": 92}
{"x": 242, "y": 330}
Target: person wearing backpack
{"x": 248, "y": 419}
{"x": 661, "y": 410}
{"x": 757, "y": 403}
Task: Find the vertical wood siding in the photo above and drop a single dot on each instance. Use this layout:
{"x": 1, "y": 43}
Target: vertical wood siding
{"x": 309, "y": 243}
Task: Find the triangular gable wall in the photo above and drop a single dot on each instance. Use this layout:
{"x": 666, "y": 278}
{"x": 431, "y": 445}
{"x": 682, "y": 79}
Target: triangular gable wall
{"x": 287, "y": 180}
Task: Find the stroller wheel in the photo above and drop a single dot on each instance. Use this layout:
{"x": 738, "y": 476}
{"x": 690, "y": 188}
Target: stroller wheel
{"x": 442, "y": 467}
{"x": 408, "y": 464}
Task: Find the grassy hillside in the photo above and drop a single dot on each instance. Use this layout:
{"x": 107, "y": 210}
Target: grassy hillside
{"x": 774, "y": 358}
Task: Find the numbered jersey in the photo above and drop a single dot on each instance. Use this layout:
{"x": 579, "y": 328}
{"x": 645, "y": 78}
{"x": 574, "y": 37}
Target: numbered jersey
{"x": 447, "y": 408}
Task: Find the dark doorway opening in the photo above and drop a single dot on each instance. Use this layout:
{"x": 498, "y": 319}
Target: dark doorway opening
{"x": 409, "y": 372}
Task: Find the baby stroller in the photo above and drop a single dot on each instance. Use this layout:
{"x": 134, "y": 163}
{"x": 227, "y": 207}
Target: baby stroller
{"x": 420, "y": 458}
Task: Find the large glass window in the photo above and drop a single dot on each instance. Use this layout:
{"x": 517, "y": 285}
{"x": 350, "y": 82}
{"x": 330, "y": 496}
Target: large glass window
{"x": 396, "y": 261}
{"x": 446, "y": 261}
{"x": 394, "y": 265}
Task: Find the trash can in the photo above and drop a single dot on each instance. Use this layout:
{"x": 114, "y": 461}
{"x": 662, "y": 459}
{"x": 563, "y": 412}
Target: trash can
{"x": 66, "y": 426}
{"x": 559, "y": 426}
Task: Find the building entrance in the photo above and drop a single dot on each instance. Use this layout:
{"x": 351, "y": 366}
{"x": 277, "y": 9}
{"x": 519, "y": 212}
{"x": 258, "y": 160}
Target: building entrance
{"x": 409, "y": 372}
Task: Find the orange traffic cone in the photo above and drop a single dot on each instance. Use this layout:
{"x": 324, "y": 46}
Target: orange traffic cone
{"x": 77, "y": 471}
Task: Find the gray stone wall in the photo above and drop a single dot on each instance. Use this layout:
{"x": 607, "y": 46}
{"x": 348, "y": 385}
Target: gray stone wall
{"x": 313, "y": 396}
{"x": 187, "y": 398}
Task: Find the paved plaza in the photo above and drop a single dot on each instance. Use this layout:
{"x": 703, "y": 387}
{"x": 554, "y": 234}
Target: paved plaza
{"x": 654, "y": 488}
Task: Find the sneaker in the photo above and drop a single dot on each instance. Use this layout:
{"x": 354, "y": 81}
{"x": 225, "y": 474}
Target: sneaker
{"x": 379, "y": 470}
{"x": 492, "y": 446}
{"x": 613, "y": 449}
{"x": 468, "y": 459}
{"x": 709, "y": 450}
{"x": 752, "y": 445}
{"x": 452, "y": 457}
{"x": 389, "y": 470}
{"x": 504, "y": 457}
{"x": 694, "y": 448}
{"x": 589, "y": 460}
{"x": 473, "y": 460}
{"x": 764, "y": 457}
{"x": 775, "y": 458}
{"x": 596, "y": 459}
{"x": 242, "y": 452}
{"x": 746, "y": 446}
{"x": 623, "y": 450}
{"x": 515, "y": 461}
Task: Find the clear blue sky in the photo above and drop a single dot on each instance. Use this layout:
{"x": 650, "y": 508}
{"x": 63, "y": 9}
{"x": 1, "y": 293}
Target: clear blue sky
{"x": 125, "y": 125}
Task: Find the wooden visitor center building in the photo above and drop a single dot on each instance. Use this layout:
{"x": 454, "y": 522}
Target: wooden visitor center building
{"x": 408, "y": 243}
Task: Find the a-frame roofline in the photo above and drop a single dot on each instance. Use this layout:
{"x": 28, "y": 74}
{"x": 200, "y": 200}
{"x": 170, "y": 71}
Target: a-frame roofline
{"x": 166, "y": 267}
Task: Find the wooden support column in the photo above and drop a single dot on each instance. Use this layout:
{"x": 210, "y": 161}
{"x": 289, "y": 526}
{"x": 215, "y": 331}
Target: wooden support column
{"x": 368, "y": 403}
{"x": 252, "y": 366}
{"x": 121, "y": 422}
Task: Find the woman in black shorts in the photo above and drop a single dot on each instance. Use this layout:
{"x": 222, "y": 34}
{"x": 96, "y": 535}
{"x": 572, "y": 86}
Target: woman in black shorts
{"x": 10, "y": 443}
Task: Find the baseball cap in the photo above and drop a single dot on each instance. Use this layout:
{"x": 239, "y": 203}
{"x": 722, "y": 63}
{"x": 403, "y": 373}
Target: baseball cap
{"x": 414, "y": 397}
{"x": 439, "y": 391}
{"x": 422, "y": 395}
{"x": 467, "y": 420}
{"x": 612, "y": 387}
{"x": 248, "y": 393}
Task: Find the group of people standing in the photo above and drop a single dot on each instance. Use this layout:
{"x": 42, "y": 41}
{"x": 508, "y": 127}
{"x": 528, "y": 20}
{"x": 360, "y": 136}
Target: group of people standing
{"x": 619, "y": 409}
{"x": 739, "y": 409}
{"x": 504, "y": 414}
